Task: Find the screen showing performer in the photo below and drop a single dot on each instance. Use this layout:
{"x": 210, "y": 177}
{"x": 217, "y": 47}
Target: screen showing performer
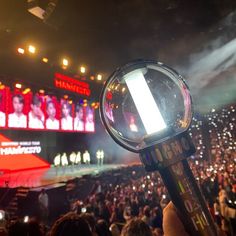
{"x": 66, "y": 116}
{"x": 24, "y": 109}
{"x": 109, "y": 111}
{"x": 51, "y": 111}
{"x": 2, "y": 110}
{"x": 36, "y": 115}
{"x": 89, "y": 123}
{"x": 79, "y": 118}
{"x": 17, "y": 119}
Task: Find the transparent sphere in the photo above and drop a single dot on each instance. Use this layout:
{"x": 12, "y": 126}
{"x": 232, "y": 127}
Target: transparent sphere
{"x": 144, "y": 103}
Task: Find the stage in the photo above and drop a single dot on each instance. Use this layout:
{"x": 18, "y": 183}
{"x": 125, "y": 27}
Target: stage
{"x": 51, "y": 177}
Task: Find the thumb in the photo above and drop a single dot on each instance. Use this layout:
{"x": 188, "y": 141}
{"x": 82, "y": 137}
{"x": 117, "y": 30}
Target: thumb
{"x": 172, "y": 225}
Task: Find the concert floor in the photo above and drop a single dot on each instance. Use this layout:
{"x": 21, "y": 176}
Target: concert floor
{"x": 51, "y": 177}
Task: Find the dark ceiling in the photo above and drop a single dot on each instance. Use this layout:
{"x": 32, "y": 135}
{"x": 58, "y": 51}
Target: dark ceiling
{"x": 105, "y": 34}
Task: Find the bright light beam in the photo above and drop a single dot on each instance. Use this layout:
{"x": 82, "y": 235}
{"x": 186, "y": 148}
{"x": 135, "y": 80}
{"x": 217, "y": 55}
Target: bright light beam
{"x": 144, "y": 102}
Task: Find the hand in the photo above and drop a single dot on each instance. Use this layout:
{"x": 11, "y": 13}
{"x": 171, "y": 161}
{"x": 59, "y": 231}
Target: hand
{"x": 172, "y": 225}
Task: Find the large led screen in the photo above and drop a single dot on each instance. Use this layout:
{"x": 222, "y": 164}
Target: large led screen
{"x": 33, "y": 111}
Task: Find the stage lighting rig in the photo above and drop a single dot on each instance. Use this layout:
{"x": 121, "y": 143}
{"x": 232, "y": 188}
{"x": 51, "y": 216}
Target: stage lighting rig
{"x": 42, "y": 8}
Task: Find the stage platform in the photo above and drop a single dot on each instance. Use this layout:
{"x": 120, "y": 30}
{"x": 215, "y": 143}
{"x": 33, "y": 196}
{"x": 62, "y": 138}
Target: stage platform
{"x": 51, "y": 177}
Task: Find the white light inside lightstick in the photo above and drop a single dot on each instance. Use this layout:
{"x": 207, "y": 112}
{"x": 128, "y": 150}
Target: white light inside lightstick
{"x": 144, "y": 102}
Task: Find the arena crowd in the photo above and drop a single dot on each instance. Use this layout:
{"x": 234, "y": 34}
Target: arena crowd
{"x": 137, "y": 203}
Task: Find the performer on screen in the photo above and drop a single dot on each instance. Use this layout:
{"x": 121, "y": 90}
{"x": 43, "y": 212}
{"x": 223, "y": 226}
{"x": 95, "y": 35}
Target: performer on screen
{"x": 36, "y": 116}
{"x": 66, "y": 121}
{"x": 89, "y": 125}
{"x": 51, "y": 122}
{"x": 17, "y": 119}
{"x": 2, "y": 119}
{"x": 133, "y": 127}
{"x": 79, "y": 118}
{"x": 2, "y": 115}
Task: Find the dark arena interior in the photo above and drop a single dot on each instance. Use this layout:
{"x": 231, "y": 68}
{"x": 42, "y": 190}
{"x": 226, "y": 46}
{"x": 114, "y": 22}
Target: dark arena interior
{"x": 63, "y": 102}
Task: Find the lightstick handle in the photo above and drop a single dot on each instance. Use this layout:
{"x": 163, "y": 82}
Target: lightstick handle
{"x": 187, "y": 198}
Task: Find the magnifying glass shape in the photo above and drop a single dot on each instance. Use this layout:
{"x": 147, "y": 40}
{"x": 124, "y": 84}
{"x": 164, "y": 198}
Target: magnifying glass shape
{"x": 146, "y": 107}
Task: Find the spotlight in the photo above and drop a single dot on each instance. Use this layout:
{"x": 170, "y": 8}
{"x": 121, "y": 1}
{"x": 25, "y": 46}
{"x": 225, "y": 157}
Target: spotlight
{"x": 42, "y": 8}
{"x": 65, "y": 62}
{"x": 19, "y": 86}
{"x": 27, "y": 90}
{"x": 82, "y": 69}
{"x": 45, "y": 60}
{"x": 99, "y": 77}
{"x": 32, "y": 49}
{"x": 21, "y": 50}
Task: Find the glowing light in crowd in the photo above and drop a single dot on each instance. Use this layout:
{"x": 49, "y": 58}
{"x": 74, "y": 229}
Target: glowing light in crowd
{"x": 32, "y": 49}
{"x": 21, "y": 50}
{"x": 2, "y": 213}
{"x": 41, "y": 91}
{"x": 26, "y": 219}
{"x": 19, "y": 86}
{"x": 45, "y": 59}
{"x": 145, "y": 104}
{"x": 99, "y": 77}
{"x": 82, "y": 69}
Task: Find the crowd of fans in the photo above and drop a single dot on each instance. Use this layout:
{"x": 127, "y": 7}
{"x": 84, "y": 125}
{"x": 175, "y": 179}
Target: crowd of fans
{"x": 134, "y": 206}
